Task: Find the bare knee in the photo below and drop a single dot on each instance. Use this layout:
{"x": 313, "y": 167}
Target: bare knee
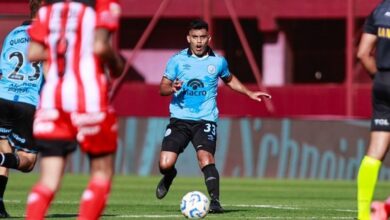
{"x": 26, "y": 161}
{"x": 102, "y": 167}
{"x": 167, "y": 160}
{"x": 205, "y": 158}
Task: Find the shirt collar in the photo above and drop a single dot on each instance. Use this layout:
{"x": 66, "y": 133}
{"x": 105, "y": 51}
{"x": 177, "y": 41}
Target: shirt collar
{"x": 27, "y": 22}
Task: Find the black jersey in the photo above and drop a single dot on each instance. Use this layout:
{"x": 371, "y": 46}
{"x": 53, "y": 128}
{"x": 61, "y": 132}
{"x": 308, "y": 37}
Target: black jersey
{"x": 378, "y": 23}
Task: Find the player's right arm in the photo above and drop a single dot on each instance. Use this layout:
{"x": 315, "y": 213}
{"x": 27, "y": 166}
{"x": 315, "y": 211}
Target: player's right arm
{"x": 168, "y": 87}
{"x": 365, "y": 52}
{"x": 170, "y": 83}
{"x": 367, "y": 44}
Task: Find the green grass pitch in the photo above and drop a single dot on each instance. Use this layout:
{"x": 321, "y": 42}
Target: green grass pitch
{"x": 243, "y": 198}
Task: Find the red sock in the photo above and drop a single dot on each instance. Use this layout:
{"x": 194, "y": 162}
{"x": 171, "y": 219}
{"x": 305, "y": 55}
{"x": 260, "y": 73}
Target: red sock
{"x": 38, "y": 202}
{"x": 94, "y": 198}
{"x": 387, "y": 206}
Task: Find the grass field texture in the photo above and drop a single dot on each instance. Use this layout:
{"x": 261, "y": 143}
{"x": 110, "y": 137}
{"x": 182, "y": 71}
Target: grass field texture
{"x": 134, "y": 198}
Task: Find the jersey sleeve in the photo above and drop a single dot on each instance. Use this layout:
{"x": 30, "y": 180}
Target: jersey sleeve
{"x": 39, "y": 29}
{"x": 225, "y": 73}
{"x": 170, "y": 69}
{"x": 369, "y": 25}
{"x": 107, "y": 14}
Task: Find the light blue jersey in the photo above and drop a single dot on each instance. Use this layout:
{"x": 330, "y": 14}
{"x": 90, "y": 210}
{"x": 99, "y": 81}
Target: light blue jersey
{"x": 196, "y": 100}
{"x": 21, "y": 80}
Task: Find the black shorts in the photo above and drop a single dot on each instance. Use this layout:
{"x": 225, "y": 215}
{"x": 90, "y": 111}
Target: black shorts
{"x": 202, "y": 134}
{"x": 16, "y": 122}
{"x": 56, "y": 148}
{"x": 381, "y": 102}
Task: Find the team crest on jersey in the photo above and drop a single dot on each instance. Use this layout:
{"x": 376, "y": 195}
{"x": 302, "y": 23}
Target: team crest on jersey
{"x": 211, "y": 69}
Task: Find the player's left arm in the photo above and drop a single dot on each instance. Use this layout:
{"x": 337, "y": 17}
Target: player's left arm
{"x": 236, "y": 85}
{"x": 103, "y": 48}
{"x": 107, "y": 22}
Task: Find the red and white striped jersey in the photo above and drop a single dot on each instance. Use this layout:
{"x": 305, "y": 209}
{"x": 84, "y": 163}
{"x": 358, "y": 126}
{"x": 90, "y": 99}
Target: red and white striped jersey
{"x": 75, "y": 79}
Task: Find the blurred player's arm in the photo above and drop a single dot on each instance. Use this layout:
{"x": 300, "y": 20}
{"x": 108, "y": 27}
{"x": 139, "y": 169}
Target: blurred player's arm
{"x": 168, "y": 87}
{"x": 37, "y": 52}
{"x": 236, "y": 85}
{"x": 106, "y": 53}
{"x": 365, "y": 52}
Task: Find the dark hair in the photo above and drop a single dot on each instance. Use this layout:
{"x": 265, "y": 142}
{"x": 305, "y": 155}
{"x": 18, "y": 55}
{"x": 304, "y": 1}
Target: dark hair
{"x": 198, "y": 24}
{"x": 34, "y": 7}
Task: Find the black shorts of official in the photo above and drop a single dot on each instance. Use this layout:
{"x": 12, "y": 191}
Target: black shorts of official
{"x": 202, "y": 134}
{"x": 380, "y": 120}
{"x": 16, "y": 125}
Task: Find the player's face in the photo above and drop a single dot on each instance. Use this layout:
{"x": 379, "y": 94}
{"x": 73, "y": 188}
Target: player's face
{"x": 198, "y": 40}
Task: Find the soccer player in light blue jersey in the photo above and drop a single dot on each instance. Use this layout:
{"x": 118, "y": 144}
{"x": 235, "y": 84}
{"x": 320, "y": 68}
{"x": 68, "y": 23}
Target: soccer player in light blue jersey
{"x": 191, "y": 77}
{"x": 20, "y": 84}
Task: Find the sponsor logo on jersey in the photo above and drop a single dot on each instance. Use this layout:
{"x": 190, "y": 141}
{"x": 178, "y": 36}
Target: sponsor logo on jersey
{"x": 87, "y": 131}
{"x": 47, "y": 114}
{"x": 18, "y": 138}
{"x": 4, "y": 130}
{"x": 384, "y": 32}
{"x": 43, "y": 127}
{"x": 15, "y": 88}
{"x": 87, "y": 118}
{"x": 381, "y": 122}
{"x": 195, "y": 88}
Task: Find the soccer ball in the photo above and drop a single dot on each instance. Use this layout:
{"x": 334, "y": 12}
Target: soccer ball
{"x": 194, "y": 205}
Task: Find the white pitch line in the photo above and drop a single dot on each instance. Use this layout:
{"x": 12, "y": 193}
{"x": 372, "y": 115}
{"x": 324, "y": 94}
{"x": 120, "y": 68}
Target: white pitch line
{"x": 226, "y": 205}
{"x": 236, "y": 217}
{"x": 304, "y": 218}
{"x": 149, "y": 216}
{"x": 265, "y": 206}
{"x": 284, "y": 207}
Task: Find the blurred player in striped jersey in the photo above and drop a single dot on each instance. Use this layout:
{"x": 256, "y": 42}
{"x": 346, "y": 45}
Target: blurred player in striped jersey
{"x": 73, "y": 37}
{"x": 20, "y": 84}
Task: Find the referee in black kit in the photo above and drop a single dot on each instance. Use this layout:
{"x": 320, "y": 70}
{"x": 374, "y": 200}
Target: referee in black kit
{"x": 374, "y": 54}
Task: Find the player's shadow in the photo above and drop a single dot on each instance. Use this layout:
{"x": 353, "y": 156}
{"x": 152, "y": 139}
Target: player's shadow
{"x": 71, "y": 216}
{"x": 66, "y": 215}
{"x": 225, "y": 211}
